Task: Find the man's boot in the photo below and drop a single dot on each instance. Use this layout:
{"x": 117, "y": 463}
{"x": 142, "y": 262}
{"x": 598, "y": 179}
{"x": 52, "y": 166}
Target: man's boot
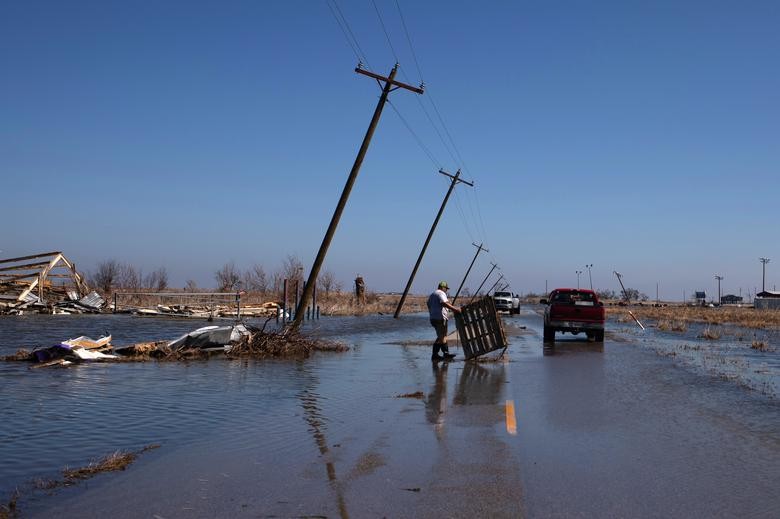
{"x": 435, "y": 355}
{"x": 446, "y": 351}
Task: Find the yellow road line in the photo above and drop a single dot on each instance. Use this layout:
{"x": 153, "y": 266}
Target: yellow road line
{"x": 511, "y": 421}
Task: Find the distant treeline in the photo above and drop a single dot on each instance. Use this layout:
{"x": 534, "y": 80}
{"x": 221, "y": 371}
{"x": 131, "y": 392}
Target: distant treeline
{"x": 112, "y": 275}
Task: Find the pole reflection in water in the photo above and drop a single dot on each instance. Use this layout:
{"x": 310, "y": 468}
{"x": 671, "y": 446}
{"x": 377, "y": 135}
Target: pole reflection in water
{"x": 314, "y": 418}
{"x": 436, "y": 403}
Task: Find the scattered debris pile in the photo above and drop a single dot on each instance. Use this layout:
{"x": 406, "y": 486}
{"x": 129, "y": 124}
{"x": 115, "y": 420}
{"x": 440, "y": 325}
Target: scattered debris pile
{"x": 46, "y": 282}
{"x": 70, "y": 351}
{"x": 209, "y": 311}
{"x": 231, "y": 341}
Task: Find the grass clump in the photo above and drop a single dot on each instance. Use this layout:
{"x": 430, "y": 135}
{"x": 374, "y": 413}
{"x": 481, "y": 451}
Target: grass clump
{"x": 419, "y": 395}
{"x": 711, "y": 333}
{"x": 760, "y": 345}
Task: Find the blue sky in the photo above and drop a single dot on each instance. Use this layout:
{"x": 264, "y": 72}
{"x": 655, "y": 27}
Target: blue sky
{"x": 635, "y": 136}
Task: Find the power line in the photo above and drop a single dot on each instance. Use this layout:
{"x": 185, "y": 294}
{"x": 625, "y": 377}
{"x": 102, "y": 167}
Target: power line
{"x": 362, "y": 56}
{"x": 409, "y": 39}
{"x": 382, "y": 22}
{"x": 344, "y": 31}
{"x": 416, "y": 137}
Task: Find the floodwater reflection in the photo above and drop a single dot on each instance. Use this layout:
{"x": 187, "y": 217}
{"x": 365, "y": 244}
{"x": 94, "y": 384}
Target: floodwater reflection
{"x": 480, "y": 384}
{"x": 436, "y": 403}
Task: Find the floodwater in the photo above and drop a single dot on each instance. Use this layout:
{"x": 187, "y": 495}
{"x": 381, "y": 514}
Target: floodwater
{"x": 650, "y": 424}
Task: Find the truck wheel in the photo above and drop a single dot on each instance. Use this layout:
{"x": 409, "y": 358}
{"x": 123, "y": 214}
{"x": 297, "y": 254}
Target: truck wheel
{"x": 549, "y": 334}
{"x": 599, "y": 336}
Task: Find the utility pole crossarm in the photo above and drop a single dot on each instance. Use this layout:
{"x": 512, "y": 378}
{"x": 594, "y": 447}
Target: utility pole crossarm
{"x": 456, "y": 178}
{"x": 397, "y": 84}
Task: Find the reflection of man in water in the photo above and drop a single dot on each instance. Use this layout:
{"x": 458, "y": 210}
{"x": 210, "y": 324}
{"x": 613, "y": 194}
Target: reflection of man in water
{"x": 437, "y": 309}
{"x": 436, "y": 404}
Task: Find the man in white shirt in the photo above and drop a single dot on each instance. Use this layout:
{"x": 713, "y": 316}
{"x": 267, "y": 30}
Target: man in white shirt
{"x": 437, "y": 309}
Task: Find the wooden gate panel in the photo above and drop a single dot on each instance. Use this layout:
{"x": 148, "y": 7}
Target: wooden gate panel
{"x": 480, "y": 328}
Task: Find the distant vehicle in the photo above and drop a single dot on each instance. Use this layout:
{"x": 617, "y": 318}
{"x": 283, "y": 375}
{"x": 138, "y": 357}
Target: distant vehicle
{"x": 507, "y": 302}
{"x": 574, "y": 311}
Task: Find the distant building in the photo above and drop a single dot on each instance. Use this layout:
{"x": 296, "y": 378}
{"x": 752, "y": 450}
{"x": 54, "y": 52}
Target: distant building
{"x": 731, "y": 299}
{"x": 700, "y": 297}
{"x": 767, "y": 300}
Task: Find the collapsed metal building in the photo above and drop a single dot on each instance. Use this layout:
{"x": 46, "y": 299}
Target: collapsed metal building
{"x": 42, "y": 281}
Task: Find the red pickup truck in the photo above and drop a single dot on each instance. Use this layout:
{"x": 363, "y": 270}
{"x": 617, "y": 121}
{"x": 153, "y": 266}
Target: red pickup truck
{"x": 573, "y": 310}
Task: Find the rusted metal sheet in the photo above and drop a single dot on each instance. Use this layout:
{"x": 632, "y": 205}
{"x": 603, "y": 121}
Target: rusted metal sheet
{"x": 480, "y": 328}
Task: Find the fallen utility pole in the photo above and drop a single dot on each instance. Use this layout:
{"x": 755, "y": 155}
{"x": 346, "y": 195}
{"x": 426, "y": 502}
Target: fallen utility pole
{"x": 480, "y": 248}
{"x": 390, "y": 84}
{"x": 483, "y": 282}
{"x": 455, "y": 180}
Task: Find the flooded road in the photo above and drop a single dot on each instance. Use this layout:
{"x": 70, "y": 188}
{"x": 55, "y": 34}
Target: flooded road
{"x": 620, "y": 430}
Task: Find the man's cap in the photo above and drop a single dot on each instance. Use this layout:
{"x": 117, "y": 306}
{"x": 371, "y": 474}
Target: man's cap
{"x": 443, "y": 284}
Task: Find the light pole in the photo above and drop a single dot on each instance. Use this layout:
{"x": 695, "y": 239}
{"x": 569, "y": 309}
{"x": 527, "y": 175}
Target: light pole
{"x": 590, "y": 279}
{"x": 578, "y": 278}
{"x": 763, "y": 261}
{"x": 719, "y": 278}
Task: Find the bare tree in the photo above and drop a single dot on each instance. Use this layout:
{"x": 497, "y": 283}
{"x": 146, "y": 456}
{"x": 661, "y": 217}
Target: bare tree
{"x": 292, "y": 268}
{"x": 227, "y": 277}
{"x": 255, "y": 279}
{"x": 129, "y": 277}
{"x": 326, "y": 282}
{"x": 191, "y": 286}
{"x": 277, "y": 280}
{"x": 157, "y": 280}
{"x": 106, "y": 275}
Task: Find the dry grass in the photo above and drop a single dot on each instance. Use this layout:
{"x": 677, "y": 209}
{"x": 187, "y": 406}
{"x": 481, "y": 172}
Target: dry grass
{"x": 745, "y": 317}
{"x": 8, "y": 510}
{"x": 711, "y": 333}
{"x": 115, "y": 461}
{"x": 675, "y": 325}
{"x": 345, "y": 304}
{"x": 21, "y": 354}
{"x": 419, "y": 395}
{"x": 760, "y": 345}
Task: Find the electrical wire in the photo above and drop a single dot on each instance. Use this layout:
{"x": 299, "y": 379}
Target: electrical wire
{"x": 416, "y": 137}
{"x": 362, "y": 55}
{"x": 344, "y": 31}
{"x": 387, "y": 35}
{"x": 476, "y": 220}
{"x": 409, "y": 39}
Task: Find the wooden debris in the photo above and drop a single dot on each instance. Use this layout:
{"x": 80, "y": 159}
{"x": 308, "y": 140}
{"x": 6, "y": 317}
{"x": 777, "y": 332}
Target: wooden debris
{"x": 38, "y": 281}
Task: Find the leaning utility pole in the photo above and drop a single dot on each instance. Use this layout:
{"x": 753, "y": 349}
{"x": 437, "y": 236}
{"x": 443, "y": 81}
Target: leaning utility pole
{"x": 483, "y": 281}
{"x": 619, "y": 276}
{"x": 479, "y": 249}
{"x": 390, "y": 84}
{"x": 455, "y": 180}
{"x": 496, "y": 283}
